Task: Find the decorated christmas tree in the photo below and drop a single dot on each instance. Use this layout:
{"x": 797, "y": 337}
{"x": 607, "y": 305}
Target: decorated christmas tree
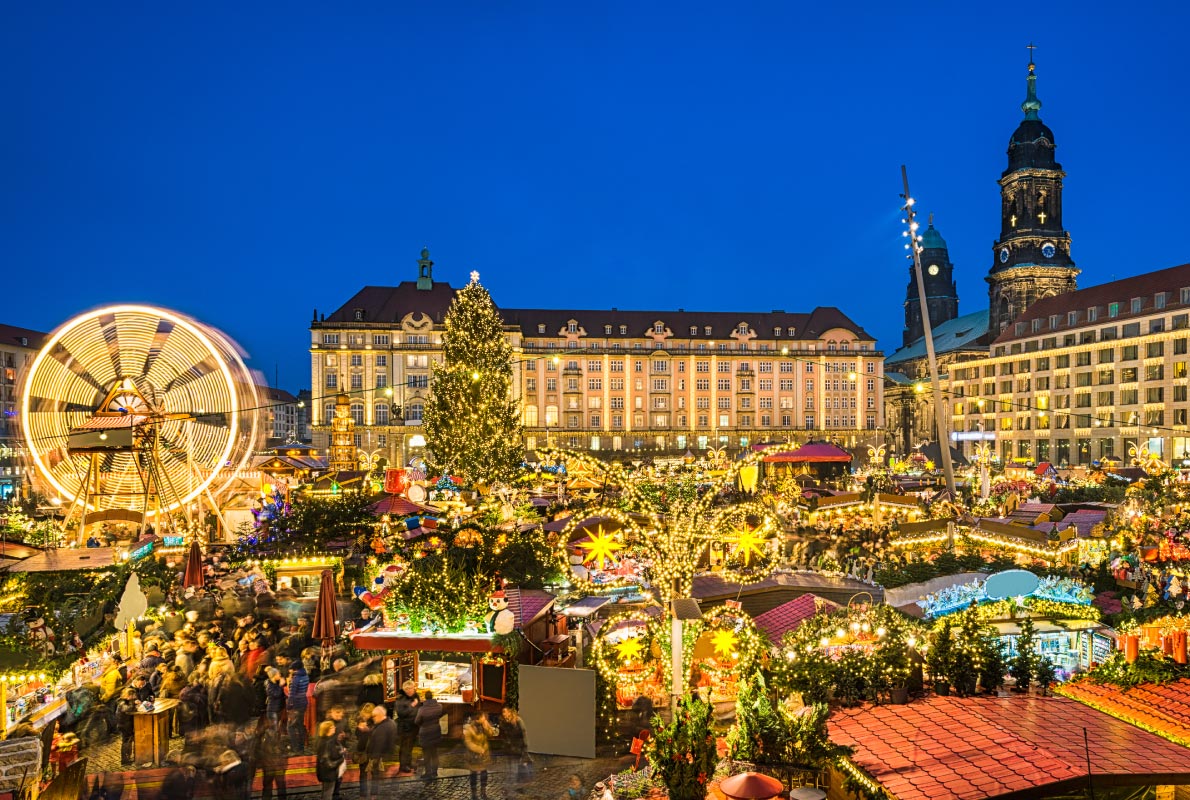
{"x": 473, "y": 428}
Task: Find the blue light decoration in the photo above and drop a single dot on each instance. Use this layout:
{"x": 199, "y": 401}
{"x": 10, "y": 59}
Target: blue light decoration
{"x": 173, "y": 541}
{"x": 140, "y": 552}
{"x": 961, "y": 596}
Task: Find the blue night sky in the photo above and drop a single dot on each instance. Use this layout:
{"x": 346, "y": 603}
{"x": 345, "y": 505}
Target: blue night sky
{"x": 246, "y": 163}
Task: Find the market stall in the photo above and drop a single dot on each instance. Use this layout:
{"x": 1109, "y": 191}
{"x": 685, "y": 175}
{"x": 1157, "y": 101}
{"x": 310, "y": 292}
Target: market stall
{"x": 301, "y": 574}
{"x": 465, "y": 671}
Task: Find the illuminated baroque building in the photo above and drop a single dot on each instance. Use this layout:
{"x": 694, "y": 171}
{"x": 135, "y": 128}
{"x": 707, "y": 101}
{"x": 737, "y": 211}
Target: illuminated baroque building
{"x": 622, "y": 382}
{"x": 1086, "y": 375}
{"x": 18, "y": 346}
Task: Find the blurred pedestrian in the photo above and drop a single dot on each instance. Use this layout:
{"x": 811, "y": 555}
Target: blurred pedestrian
{"x": 406, "y": 713}
{"x": 296, "y": 704}
{"x": 381, "y": 741}
{"x": 512, "y": 732}
{"x": 125, "y": 708}
{"x": 477, "y": 755}
{"x": 362, "y": 733}
{"x": 330, "y": 760}
{"x": 274, "y": 695}
{"x": 232, "y": 779}
{"x": 270, "y": 755}
{"x": 429, "y": 733}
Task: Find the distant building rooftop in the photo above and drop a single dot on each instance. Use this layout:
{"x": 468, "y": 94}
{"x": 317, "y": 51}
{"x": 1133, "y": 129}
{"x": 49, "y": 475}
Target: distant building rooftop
{"x": 960, "y": 333}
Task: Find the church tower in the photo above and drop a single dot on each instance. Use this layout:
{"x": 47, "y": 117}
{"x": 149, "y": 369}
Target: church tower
{"x": 942, "y": 297}
{"x": 1032, "y": 256}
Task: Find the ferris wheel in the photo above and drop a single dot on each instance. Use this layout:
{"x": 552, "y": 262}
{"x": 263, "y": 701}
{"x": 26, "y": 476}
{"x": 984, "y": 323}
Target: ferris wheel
{"x": 134, "y": 411}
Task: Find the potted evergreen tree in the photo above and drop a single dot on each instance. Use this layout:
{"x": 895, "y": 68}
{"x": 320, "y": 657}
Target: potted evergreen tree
{"x": 940, "y": 657}
{"x": 993, "y": 667}
{"x": 682, "y": 753}
{"x": 1023, "y": 664}
{"x": 1045, "y": 675}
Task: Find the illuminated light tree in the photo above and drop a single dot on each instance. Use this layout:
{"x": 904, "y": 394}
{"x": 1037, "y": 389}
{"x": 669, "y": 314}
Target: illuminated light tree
{"x": 473, "y": 428}
{"x": 673, "y": 526}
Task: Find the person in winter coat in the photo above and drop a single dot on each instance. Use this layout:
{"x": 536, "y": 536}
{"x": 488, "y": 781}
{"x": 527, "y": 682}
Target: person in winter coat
{"x": 270, "y": 755}
{"x": 372, "y": 690}
{"x": 381, "y": 742}
{"x": 193, "y": 706}
{"x": 477, "y": 756}
{"x": 296, "y": 704}
{"x": 125, "y": 708}
{"x": 429, "y": 732}
{"x": 274, "y": 695}
{"x": 512, "y": 732}
{"x": 172, "y": 683}
{"x": 140, "y": 685}
{"x": 330, "y": 758}
{"x": 406, "y": 712}
{"x": 362, "y": 734}
{"x": 111, "y": 681}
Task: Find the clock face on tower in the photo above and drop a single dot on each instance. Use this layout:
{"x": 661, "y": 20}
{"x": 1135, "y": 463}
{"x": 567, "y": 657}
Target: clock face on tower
{"x": 1003, "y": 255}
{"x": 1047, "y": 250}
{"x": 933, "y": 270}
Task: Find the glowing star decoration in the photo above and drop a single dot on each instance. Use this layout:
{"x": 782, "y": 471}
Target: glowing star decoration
{"x": 600, "y": 547}
{"x": 746, "y": 542}
{"x": 725, "y": 642}
{"x": 475, "y": 276}
{"x": 630, "y": 649}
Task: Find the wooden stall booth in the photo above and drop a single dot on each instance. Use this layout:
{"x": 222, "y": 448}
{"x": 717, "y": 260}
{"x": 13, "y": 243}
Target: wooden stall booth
{"x": 465, "y": 671}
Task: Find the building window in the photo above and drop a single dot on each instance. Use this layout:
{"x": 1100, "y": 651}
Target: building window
{"x": 607, "y": 330}
{"x": 1113, "y": 309}
{"x": 357, "y": 359}
{"x": 659, "y": 327}
{"x": 1137, "y": 305}
{"x": 381, "y": 380}
{"x": 332, "y": 380}
{"x": 357, "y": 380}
{"x": 330, "y": 338}
{"x": 413, "y": 412}
{"x": 357, "y": 413}
{"x": 380, "y": 413}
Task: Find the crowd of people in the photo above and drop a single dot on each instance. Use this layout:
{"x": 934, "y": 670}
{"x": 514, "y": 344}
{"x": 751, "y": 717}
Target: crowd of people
{"x": 253, "y": 689}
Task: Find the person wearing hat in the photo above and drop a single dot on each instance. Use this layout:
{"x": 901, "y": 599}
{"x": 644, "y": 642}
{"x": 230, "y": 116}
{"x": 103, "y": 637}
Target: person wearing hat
{"x": 406, "y": 714}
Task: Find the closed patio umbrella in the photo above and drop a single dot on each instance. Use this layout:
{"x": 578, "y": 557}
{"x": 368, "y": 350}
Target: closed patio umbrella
{"x": 193, "y": 577}
{"x": 324, "y": 612}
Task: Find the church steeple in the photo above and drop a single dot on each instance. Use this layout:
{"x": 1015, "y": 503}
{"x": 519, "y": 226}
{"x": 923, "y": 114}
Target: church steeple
{"x": 1031, "y": 258}
{"x": 942, "y": 297}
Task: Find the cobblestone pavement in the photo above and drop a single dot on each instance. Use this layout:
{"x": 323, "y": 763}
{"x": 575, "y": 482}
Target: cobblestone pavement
{"x": 550, "y": 777}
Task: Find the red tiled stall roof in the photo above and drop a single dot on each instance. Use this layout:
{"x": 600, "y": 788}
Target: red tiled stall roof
{"x": 946, "y": 748}
{"x": 1161, "y": 708}
{"x": 811, "y": 452}
{"x": 527, "y": 604}
{"x": 787, "y": 617}
{"x": 1084, "y": 520}
{"x": 397, "y": 506}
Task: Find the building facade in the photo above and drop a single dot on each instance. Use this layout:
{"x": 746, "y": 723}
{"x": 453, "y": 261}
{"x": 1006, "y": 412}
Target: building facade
{"x": 1100, "y": 373}
{"x": 282, "y": 418}
{"x": 625, "y": 383}
{"x": 18, "y": 347}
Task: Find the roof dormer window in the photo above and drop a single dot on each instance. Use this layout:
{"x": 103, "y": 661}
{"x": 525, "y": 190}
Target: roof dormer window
{"x": 359, "y": 315}
{"x": 707, "y": 330}
{"x": 607, "y": 330}
{"x": 1137, "y": 305}
{"x": 541, "y": 327}
{"x": 791, "y": 331}
{"x": 572, "y": 326}
{"x": 623, "y": 330}
{"x": 658, "y": 327}
{"x": 742, "y": 329}
{"x": 693, "y": 330}
{"x": 1159, "y": 300}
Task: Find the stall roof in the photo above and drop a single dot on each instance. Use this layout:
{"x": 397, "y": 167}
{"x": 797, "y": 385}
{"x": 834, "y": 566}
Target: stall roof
{"x": 528, "y": 604}
{"x": 1163, "y": 708}
{"x": 450, "y": 643}
{"x": 586, "y": 607}
{"x": 947, "y": 748}
{"x": 811, "y": 452}
{"x": 776, "y": 622}
{"x": 69, "y": 559}
{"x": 17, "y": 550}
{"x": 398, "y": 506}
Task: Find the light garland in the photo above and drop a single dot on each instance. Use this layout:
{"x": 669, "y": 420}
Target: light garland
{"x": 859, "y": 776}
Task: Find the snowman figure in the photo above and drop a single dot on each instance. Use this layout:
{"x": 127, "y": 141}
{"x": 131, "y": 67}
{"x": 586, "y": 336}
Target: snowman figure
{"x": 499, "y": 619}
{"x": 40, "y": 634}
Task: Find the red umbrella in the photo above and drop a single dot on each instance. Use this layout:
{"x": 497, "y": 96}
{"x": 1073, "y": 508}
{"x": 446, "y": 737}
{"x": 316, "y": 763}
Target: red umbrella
{"x": 193, "y": 578}
{"x": 324, "y": 612}
{"x": 750, "y": 786}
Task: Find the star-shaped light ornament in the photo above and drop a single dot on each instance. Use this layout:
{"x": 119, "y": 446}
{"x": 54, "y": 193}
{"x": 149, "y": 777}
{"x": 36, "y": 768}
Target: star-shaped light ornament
{"x": 600, "y": 547}
{"x": 475, "y": 276}
{"x": 630, "y": 649}
{"x": 724, "y": 642}
{"x": 746, "y": 542}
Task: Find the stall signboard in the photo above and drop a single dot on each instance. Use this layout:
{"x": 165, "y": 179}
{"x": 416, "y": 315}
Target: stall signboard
{"x": 396, "y": 480}
{"x": 140, "y": 552}
{"x": 173, "y": 541}
{"x": 491, "y": 681}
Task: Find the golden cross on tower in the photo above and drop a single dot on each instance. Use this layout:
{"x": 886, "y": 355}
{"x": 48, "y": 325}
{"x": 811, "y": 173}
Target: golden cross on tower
{"x": 1031, "y": 47}
{"x": 1041, "y": 217}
